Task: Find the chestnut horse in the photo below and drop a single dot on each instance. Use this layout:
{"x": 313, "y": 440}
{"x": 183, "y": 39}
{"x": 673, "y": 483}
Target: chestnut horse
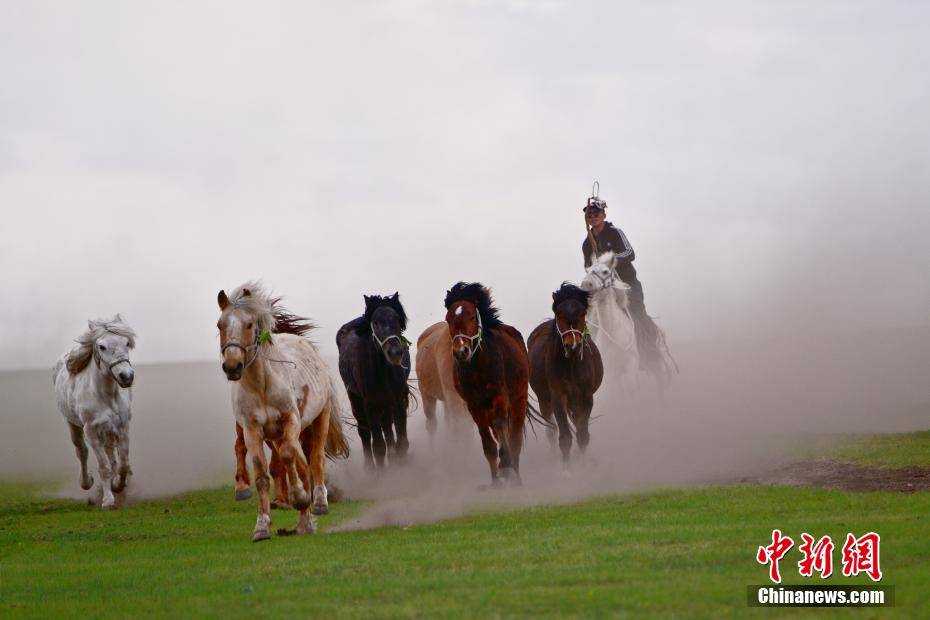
{"x": 491, "y": 375}
{"x": 566, "y": 368}
{"x": 435, "y": 369}
{"x": 280, "y": 388}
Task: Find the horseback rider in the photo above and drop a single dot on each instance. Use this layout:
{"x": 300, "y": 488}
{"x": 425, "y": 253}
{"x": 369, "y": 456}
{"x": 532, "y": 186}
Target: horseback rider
{"x": 609, "y": 238}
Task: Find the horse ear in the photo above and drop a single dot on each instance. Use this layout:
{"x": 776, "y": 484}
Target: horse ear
{"x": 554, "y": 295}
{"x": 367, "y": 299}
{"x": 395, "y": 295}
{"x": 222, "y": 300}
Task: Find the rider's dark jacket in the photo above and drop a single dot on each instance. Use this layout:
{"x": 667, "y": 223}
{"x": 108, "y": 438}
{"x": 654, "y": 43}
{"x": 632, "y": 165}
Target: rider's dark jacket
{"x": 613, "y": 240}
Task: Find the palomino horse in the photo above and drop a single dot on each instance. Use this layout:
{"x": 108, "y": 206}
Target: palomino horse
{"x": 280, "y": 387}
{"x": 435, "y": 369}
{"x": 491, "y": 375}
{"x": 566, "y": 368}
{"x": 374, "y": 362}
{"x": 96, "y": 399}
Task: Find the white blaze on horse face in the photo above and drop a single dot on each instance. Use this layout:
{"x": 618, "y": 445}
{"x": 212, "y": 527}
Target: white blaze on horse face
{"x": 231, "y": 330}
{"x": 458, "y": 311}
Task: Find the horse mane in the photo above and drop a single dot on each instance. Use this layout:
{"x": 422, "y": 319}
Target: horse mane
{"x": 570, "y": 291}
{"x": 80, "y": 356}
{"x": 480, "y": 295}
{"x": 373, "y": 302}
{"x": 269, "y": 314}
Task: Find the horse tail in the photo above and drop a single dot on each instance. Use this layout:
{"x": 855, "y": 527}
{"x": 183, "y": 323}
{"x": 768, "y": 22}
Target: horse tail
{"x": 337, "y": 446}
{"x": 533, "y": 416}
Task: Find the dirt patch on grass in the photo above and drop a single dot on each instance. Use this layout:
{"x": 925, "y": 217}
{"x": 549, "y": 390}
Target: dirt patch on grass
{"x": 831, "y": 474}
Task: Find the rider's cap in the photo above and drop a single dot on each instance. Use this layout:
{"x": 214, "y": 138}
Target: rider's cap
{"x": 595, "y": 203}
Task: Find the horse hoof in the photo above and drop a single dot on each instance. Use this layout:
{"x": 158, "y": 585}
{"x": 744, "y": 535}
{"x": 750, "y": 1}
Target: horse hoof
{"x": 108, "y": 505}
{"x": 300, "y": 500}
{"x": 243, "y": 494}
{"x": 87, "y": 484}
{"x": 278, "y": 505}
{"x": 320, "y": 509}
{"x": 260, "y": 535}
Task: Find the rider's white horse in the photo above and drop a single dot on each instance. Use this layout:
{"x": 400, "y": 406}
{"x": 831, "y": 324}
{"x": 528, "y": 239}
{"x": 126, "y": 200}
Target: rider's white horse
{"x": 610, "y": 321}
{"x": 613, "y": 329}
{"x": 93, "y": 385}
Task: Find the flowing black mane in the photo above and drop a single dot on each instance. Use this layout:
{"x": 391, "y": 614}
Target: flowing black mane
{"x": 287, "y": 323}
{"x": 373, "y": 302}
{"x": 478, "y": 294}
{"x": 570, "y": 291}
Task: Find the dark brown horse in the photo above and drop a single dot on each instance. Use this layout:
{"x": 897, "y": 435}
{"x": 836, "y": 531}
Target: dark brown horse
{"x": 491, "y": 375}
{"x": 566, "y": 368}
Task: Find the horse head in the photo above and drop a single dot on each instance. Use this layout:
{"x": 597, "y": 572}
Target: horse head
{"x": 600, "y": 275}
{"x": 112, "y": 342}
{"x": 570, "y": 306}
{"x": 465, "y": 326}
{"x": 238, "y": 335}
{"x": 387, "y": 319}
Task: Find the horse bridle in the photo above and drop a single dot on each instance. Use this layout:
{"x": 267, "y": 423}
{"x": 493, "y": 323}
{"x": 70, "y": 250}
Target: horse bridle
{"x": 570, "y": 330}
{"x": 605, "y": 282}
{"x": 473, "y": 348}
{"x": 381, "y": 343}
{"x": 112, "y": 364}
{"x": 255, "y": 347}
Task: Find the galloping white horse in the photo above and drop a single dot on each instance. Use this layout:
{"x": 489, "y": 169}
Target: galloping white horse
{"x": 95, "y": 399}
{"x": 609, "y": 319}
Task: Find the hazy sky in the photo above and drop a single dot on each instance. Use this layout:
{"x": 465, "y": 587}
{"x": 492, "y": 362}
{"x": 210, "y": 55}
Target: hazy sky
{"x": 770, "y": 162}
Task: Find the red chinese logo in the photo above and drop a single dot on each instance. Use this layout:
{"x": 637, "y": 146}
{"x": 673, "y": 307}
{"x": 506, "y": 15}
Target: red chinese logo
{"x": 860, "y": 555}
{"x": 773, "y": 553}
{"x": 817, "y": 557}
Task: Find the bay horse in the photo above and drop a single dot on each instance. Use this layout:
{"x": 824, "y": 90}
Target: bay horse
{"x": 280, "y": 387}
{"x": 96, "y": 402}
{"x": 435, "y": 380}
{"x": 374, "y": 362}
{"x": 566, "y": 368}
{"x": 491, "y": 375}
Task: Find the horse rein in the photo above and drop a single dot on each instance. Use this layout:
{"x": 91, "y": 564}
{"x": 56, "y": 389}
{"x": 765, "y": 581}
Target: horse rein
{"x": 472, "y": 347}
{"x": 570, "y": 330}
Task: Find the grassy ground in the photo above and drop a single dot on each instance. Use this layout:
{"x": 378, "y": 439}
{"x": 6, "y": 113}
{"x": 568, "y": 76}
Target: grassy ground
{"x": 678, "y": 552}
{"x": 888, "y": 451}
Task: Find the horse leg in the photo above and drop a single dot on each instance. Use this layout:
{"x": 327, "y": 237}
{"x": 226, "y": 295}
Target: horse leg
{"x": 279, "y": 475}
{"x": 490, "y": 450}
{"x": 545, "y": 410}
{"x": 80, "y": 447}
{"x": 364, "y": 430}
{"x": 292, "y": 459}
{"x": 378, "y": 446}
{"x": 387, "y": 427}
{"x": 581, "y": 413}
{"x": 319, "y": 430}
{"x": 256, "y": 454}
{"x": 429, "y": 408}
{"x": 565, "y": 430}
{"x": 501, "y": 428}
{"x": 104, "y": 469}
{"x": 517, "y": 421}
{"x": 122, "y": 462}
{"x": 242, "y": 471}
{"x": 400, "y": 424}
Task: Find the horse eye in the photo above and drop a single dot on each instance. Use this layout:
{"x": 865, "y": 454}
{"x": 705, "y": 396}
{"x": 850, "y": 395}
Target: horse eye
{"x": 102, "y": 347}
{"x": 249, "y": 326}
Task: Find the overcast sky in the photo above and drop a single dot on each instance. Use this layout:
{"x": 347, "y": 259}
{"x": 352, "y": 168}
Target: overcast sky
{"x": 768, "y": 161}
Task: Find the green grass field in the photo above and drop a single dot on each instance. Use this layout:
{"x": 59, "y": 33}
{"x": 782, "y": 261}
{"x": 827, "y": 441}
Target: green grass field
{"x": 682, "y": 552}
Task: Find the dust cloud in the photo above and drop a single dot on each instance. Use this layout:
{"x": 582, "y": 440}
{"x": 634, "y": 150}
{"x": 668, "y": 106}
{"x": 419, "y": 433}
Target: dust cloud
{"x": 737, "y": 409}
